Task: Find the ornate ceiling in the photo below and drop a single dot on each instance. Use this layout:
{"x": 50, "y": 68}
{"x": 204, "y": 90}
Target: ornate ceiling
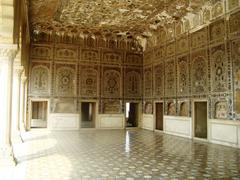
{"x": 124, "y": 18}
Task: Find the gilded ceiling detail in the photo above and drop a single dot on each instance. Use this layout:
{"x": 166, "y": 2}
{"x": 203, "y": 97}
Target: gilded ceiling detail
{"x": 121, "y": 18}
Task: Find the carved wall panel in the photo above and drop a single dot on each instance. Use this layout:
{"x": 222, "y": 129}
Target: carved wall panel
{"x": 217, "y": 30}
{"x": 206, "y": 15}
{"x": 62, "y": 53}
{"x": 170, "y": 49}
{"x": 40, "y": 78}
{"x": 232, "y": 4}
{"x": 111, "y": 82}
{"x": 148, "y": 82}
{"x": 111, "y": 106}
{"x": 89, "y": 78}
{"x": 199, "y": 73}
{"x": 132, "y": 82}
{"x": 221, "y": 110}
{"x": 133, "y": 59}
{"x": 182, "y": 45}
{"x": 41, "y": 52}
{"x": 65, "y": 80}
{"x": 148, "y": 107}
{"x": 112, "y": 58}
{"x": 170, "y": 108}
{"x": 217, "y": 9}
{"x": 183, "y": 108}
{"x": 183, "y": 76}
{"x": 234, "y": 22}
{"x": 159, "y": 80}
{"x": 219, "y": 69}
{"x": 160, "y": 52}
{"x": 90, "y": 55}
{"x": 236, "y": 74}
{"x": 170, "y": 78}
{"x": 63, "y": 105}
{"x": 199, "y": 38}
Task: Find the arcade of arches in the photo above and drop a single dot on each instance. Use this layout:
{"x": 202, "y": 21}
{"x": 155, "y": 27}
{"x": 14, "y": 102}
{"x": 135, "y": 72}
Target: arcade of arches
{"x": 131, "y": 72}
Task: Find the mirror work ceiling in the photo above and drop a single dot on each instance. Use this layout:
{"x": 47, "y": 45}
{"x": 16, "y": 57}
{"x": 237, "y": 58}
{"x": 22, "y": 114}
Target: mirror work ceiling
{"x": 124, "y": 18}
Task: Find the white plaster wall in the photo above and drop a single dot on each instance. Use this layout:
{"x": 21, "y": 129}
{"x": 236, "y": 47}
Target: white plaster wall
{"x": 225, "y": 132}
{"x": 63, "y": 121}
{"x": 148, "y": 122}
{"x": 176, "y": 125}
{"x": 111, "y": 121}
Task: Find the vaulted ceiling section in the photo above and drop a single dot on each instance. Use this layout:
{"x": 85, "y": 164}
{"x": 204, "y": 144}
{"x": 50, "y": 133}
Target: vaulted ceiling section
{"x": 128, "y": 19}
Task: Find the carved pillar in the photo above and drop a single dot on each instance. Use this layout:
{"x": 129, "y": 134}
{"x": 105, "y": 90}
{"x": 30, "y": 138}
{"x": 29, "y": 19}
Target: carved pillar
{"x": 23, "y": 102}
{"x": 7, "y": 54}
{"x": 17, "y": 71}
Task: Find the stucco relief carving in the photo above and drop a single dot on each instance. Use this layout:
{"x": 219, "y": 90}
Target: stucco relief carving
{"x": 199, "y": 73}
{"x": 199, "y": 38}
{"x": 232, "y": 4}
{"x": 111, "y": 106}
{"x": 159, "y": 80}
{"x": 111, "y": 83}
{"x": 184, "y": 109}
{"x": 217, "y": 9}
{"x": 65, "y": 81}
{"x": 234, "y": 22}
{"x": 41, "y": 52}
{"x": 133, "y": 59}
{"x": 182, "y": 45}
{"x": 112, "y": 58}
{"x": 90, "y": 55}
{"x": 221, "y": 110}
{"x": 171, "y": 108}
{"x": 170, "y": 76}
{"x": 132, "y": 83}
{"x": 183, "y": 76}
{"x": 217, "y": 30}
{"x": 148, "y": 82}
{"x": 40, "y": 79}
{"x": 206, "y": 15}
{"x": 148, "y": 108}
{"x": 170, "y": 49}
{"x": 89, "y": 82}
{"x": 219, "y": 69}
{"x": 64, "y": 53}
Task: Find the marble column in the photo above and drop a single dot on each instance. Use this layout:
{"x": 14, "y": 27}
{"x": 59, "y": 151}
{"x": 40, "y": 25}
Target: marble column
{"x": 7, "y": 54}
{"x": 23, "y": 102}
{"x": 17, "y": 72}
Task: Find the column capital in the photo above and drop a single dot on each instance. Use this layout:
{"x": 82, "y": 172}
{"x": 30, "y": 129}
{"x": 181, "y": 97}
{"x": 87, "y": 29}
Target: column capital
{"x": 8, "y": 50}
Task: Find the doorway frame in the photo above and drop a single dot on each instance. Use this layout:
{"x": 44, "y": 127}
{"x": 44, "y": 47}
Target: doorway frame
{"x": 31, "y": 100}
{"x": 154, "y": 114}
{"x": 193, "y": 119}
{"x": 96, "y": 123}
{"x": 139, "y": 113}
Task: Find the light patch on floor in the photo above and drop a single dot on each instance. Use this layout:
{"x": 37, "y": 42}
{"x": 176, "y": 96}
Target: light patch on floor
{"x": 119, "y": 154}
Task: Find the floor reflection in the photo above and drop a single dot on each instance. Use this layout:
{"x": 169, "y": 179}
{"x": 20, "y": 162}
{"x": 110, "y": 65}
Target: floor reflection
{"x": 118, "y": 154}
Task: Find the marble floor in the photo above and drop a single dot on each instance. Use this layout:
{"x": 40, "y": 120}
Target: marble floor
{"x": 119, "y": 154}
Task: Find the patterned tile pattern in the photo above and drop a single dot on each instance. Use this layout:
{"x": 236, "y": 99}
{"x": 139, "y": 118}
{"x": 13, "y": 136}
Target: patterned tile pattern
{"x": 118, "y": 154}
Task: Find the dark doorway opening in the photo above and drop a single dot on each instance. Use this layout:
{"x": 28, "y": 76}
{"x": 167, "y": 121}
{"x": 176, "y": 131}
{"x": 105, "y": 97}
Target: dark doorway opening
{"x": 39, "y": 114}
{"x": 159, "y": 116}
{"x": 131, "y": 115}
{"x": 88, "y": 113}
{"x": 200, "y": 119}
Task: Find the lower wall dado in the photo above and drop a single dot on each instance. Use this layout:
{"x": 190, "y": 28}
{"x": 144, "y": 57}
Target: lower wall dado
{"x": 111, "y": 121}
{"x": 225, "y": 132}
{"x": 180, "y": 126}
{"x": 63, "y": 121}
{"x": 148, "y": 122}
